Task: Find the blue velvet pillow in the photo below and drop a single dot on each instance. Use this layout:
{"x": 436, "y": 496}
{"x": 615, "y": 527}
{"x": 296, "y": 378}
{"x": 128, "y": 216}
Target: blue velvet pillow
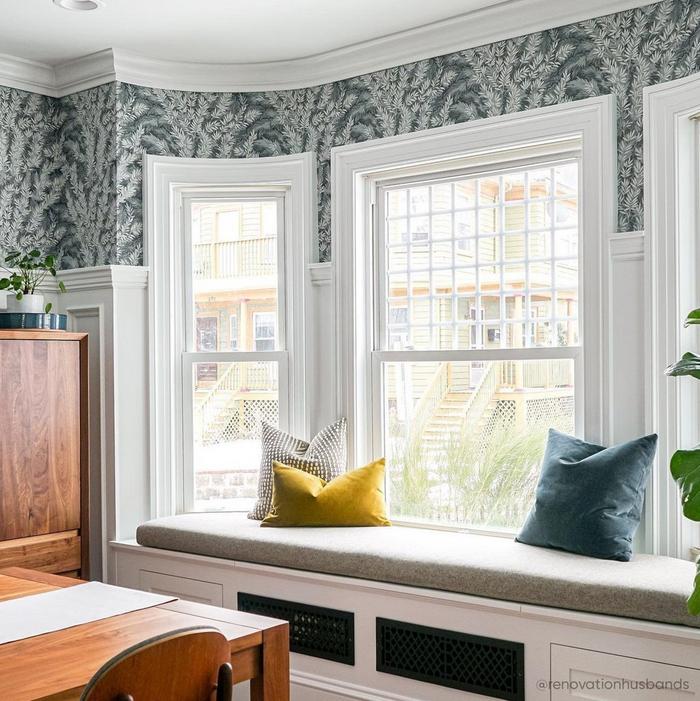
{"x": 589, "y": 498}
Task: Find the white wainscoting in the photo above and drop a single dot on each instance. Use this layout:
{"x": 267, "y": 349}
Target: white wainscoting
{"x": 627, "y": 351}
{"x": 110, "y": 304}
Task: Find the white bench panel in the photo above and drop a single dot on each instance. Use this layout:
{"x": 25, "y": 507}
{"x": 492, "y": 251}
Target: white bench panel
{"x": 588, "y": 674}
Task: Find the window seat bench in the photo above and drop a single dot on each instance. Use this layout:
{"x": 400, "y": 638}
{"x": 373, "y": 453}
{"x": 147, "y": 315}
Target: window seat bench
{"x": 651, "y": 588}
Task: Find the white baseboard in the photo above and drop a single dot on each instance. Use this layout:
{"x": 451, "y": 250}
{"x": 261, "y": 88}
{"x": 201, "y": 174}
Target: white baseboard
{"x": 332, "y": 690}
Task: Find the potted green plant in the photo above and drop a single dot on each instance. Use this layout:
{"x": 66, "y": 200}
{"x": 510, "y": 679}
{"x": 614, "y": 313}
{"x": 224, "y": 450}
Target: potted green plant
{"x": 26, "y": 272}
{"x": 685, "y": 464}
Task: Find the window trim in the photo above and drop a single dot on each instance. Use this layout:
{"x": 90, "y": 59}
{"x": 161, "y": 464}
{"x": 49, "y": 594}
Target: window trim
{"x": 592, "y": 121}
{"x": 165, "y": 179}
{"x": 671, "y": 257}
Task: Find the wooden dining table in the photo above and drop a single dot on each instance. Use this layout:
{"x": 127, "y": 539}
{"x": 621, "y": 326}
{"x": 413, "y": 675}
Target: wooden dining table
{"x": 56, "y": 666}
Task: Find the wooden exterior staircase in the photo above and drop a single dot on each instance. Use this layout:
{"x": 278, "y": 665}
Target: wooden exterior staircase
{"x": 461, "y": 405}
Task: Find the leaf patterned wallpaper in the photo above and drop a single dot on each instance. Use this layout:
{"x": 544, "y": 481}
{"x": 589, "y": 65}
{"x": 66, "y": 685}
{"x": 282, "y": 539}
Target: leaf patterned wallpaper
{"x": 31, "y": 169}
{"x": 58, "y": 174}
{"x": 70, "y": 169}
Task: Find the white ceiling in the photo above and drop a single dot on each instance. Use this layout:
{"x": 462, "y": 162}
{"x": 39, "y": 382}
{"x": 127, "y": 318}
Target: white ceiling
{"x": 213, "y": 31}
{"x": 248, "y": 45}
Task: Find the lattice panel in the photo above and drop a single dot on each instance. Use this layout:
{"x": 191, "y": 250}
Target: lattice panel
{"x": 313, "y": 630}
{"x": 471, "y": 663}
{"x": 502, "y": 417}
{"x": 254, "y": 413}
{"x": 555, "y": 412}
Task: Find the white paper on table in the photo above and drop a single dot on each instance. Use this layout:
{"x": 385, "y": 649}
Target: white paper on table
{"x": 73, "y": 606}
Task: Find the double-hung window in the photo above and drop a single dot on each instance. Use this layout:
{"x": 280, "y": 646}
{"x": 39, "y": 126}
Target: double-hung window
{"x": 477, "y": 344}
{"x": 227, "y": 244}
{"x": 234, "y": 277}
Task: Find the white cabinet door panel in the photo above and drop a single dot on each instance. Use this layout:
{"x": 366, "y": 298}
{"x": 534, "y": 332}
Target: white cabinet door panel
{"x": 182, "y": 587}
{"x": 599, "y": 676}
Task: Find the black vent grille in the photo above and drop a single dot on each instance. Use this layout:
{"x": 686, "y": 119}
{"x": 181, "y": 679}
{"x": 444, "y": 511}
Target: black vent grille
{"x": 467, "y": 662}
{"x": 313, "y": 630}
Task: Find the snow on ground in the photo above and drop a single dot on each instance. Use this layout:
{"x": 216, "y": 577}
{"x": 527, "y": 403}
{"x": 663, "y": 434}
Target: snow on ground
{"x": 235, "y": 456}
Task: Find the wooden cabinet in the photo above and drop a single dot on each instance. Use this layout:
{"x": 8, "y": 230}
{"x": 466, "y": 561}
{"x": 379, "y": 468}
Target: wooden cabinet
{"x": 44, "y": 451}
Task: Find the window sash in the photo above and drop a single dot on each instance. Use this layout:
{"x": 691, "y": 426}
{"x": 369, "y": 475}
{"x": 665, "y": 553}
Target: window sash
{"x": 381, "y": 188}
{"x": 189, "y": 360}
{"x": 381, "y": 329}
{"x": 189, "y": 356}
{"x": 187, "y": 259}
{"x": 377, "y": 394}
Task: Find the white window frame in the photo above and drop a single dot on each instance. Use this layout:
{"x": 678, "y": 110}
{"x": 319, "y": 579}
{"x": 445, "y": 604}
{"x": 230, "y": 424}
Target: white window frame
{"x": 672, "y": 259}
{"x": 189, "y": 356}
{"x": 354, "y": 169}
{"x": 381, "y": 354}
{"x": 168, "y": 183}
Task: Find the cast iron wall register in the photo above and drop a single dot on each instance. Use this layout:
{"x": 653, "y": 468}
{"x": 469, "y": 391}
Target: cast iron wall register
{"x": 467, "y": 662}
{"x": 313, "y": 630}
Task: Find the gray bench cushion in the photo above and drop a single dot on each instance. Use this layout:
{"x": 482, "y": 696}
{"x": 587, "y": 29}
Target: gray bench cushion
{"x": 648, "y": 587}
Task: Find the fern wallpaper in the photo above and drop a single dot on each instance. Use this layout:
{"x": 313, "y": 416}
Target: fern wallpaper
{"x": 87, "y": 208}
{"x": 71, "y": 173}
{"x": 31, "y": 169}
{"x": 57, "y": 174}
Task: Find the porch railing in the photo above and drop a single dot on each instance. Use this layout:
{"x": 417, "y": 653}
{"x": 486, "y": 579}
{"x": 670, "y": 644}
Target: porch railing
{"x": 536, "y": 375}
{"x": 227, "y": 259}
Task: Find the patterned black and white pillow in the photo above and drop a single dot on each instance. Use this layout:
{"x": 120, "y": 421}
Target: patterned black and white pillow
{"x": 325, "y": 456}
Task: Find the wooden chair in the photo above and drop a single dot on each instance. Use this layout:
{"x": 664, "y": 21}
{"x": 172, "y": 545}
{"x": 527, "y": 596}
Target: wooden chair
{"x": 190, "y": 664}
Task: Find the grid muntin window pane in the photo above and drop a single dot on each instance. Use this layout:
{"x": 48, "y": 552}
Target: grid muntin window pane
{"x": 487, "y": 256}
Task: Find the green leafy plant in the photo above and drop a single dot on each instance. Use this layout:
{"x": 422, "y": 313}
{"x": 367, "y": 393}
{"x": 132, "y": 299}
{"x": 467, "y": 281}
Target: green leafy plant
{"x": 478, "y": 479}
{"x": 685, "y": 464}
{"x": 27, "y": 272}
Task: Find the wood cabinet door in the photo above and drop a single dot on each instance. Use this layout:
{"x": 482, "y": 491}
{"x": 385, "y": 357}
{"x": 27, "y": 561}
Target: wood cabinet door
{"x": 39, "y": 437}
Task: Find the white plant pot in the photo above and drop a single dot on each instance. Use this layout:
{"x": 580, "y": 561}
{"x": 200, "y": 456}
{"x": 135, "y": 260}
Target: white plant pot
{"x": 29, "y": 304}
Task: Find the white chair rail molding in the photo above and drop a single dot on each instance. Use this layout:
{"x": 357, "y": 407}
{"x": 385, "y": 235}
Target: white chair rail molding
{"x": 347, "y": 359}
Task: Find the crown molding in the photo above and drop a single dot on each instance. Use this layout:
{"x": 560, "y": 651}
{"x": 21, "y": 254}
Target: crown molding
{"x": 85, "y": 72}
{"x": 505, "y": 20}
{"x": 30, "y": 76}
{"x": 57, "y": 81}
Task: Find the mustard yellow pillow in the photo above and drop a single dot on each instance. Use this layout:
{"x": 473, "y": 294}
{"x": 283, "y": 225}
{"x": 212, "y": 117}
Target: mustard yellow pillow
{"x": 355, "y": 498}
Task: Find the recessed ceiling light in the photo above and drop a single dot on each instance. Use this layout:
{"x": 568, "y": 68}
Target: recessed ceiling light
{"x": 78, "y": 5}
